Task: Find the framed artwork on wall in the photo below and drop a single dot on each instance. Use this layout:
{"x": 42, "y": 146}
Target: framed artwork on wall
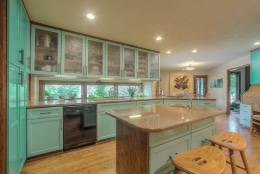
{"x": 216, "y": 83}
{"x": 181, "y": 82}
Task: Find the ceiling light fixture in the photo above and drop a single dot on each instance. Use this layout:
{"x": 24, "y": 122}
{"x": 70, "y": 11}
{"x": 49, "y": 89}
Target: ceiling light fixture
{"x": 90, "y": 16}
{"x": 194, "y": 51}
{"x": 158, "y": 38}
{"x": 256, "y": 43}
{"x": 189, "y": 68}
{"x": 168, "y": 52}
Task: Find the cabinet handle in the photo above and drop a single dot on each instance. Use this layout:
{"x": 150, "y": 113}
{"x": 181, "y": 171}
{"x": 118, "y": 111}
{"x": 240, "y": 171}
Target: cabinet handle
{"x": 61, "y": 125}
{"x": 44, "y": 113}
{"x": 22, "y": 56}
{"x": 86, "y": 70}
{"x": 122, "y": 74}
{"x": 21, "y": 78}
{"x": 204, "y": 141}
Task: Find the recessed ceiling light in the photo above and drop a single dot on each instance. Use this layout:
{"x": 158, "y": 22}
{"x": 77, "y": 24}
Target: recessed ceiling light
{"x": 90, "y": 16}
{"x": 256, "y": 43}
{"x": 168, "y": 52}
{"x": 194, "y": 51}
{"x": 158, "y": 38}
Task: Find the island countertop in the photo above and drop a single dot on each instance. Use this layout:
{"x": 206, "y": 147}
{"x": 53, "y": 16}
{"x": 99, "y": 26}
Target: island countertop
{"x": 157, "y": 118}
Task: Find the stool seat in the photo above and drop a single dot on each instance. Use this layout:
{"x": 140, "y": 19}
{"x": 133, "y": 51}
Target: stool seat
{"x": 200, "y": 160}
{"x": 229, "y": 140}
{"x": 232, "y": 141}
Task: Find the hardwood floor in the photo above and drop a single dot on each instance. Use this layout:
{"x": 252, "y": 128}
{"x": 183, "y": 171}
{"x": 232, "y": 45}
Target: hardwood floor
{"x": 100, "y": 158}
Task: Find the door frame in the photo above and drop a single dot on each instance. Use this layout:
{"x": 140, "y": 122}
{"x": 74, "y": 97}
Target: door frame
{"x": 3, "y": 41}
{"x": 228, "y": 86}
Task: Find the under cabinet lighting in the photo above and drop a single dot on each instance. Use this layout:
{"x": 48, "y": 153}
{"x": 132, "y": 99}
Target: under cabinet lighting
{"x": 256, "y": 43}
{"x": 90, "y": 16}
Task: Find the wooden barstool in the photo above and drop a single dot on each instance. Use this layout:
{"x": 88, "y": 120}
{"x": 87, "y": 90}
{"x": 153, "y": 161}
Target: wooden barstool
{"x": 232, "y": 141}
{"x": 200, "y": 160}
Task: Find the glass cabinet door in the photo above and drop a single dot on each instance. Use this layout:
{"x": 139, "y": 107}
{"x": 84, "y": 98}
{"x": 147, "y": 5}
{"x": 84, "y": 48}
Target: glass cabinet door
{"x": 95, "y": 61}
{"x": 113, "y": 59}
{"x": 129, "y": 61}
{"x": 73, "y": 51}
{"x": 45, "y": 49}
{"x": 155, "y": 66}
{"x": 142, "y": 64}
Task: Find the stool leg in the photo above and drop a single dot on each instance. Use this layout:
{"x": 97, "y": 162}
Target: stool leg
{"x": 242, "y": 153}
{"x": 176, "y": 171}
{"x": 233, "y": 161}
{"x": 220, "y": 147}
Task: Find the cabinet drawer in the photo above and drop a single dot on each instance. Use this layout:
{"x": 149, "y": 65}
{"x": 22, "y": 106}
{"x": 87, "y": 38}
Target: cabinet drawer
{"x": 203, "y": 124}
{"x": 245, "y": 109}
{"x": 207, "y": 103}
{"x": 156, "y": 102}
{"x": 201, "y": 137}
{"x": 160, "y": 155}
{"x": 44, "y": 112}
{"x": 104, "y": 107}
{"x": 157, "y": 138}
{"x": 143, "y": 103}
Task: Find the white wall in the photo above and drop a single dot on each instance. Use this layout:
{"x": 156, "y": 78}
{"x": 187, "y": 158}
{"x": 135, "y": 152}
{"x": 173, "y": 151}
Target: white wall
{"x": 221, "y": 72}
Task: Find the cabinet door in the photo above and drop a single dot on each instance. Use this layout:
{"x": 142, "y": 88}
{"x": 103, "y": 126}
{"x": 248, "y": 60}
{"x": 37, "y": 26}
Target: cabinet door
{"x": 143, "y": 103}
{"x": 201, "y": 137}
{"x": 113, "y": 64}
{"x": 106, "y": 126}
{"x": 95, "y": 57}
{"x": 142, "y": 71}
{"x": 23, "y": 39}
{"x": 154, "y": 66}
{"x": 45, "y": 50}
{"x": 12, "y": 32}
{"x": 44, "y": 135}
{"x": 12, "y": 153}
{"x": 254, "y": 67}
{"x": 73, "y": 54}
{"x": 129, "y": 62}
{"x": 245, "y": 115}
{"x": 159, "y": 161}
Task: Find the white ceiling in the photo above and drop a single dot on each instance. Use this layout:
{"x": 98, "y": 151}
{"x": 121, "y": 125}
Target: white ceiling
{"x": 221, "y": 30}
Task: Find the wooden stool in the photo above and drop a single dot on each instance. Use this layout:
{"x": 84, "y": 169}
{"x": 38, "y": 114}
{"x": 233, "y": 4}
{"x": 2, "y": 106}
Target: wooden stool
{"x": 232, "y": 141}
{"x": 200, "y": 160}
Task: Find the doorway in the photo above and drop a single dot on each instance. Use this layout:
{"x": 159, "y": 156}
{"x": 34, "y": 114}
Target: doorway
{"x": 238, "y": 82}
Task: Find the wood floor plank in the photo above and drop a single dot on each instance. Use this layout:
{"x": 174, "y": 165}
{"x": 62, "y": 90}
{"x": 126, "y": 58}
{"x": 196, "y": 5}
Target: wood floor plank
{"x": 100, "y": 158}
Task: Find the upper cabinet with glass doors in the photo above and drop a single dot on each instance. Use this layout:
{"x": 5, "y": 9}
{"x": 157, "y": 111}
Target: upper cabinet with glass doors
{"x": 95, "y": 57}
{"x": 73, "y": 54}
{"x": 114, "y": 54}
{"x": 129, "y": 62}
{"x": 154, "y": 66}
{"x": 45, "y": 50}
{"x": 142, "y": 62}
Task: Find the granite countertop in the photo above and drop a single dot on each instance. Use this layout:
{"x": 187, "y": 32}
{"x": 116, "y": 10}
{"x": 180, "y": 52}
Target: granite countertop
{"x": 53, "y": 103}
{"x": 157, "y": 118}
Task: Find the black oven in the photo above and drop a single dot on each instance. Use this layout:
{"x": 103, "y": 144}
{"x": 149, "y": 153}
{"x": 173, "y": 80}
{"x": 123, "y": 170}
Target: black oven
{"x": 79, "y": 126}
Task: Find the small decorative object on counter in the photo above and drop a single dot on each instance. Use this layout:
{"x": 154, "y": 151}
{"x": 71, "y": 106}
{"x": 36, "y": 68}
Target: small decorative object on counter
{"x": 61, "y": 97}
{"x": 141, "y": 95}
{"x": 71, "y": 96}
{"x": 131, "y": 91}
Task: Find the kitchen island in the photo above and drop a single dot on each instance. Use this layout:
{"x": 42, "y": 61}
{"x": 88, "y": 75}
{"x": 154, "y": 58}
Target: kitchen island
{"x": 146, "y": 136}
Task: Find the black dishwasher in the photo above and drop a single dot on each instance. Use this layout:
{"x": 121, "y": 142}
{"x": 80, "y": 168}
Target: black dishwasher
{"x": 79, "y": 126}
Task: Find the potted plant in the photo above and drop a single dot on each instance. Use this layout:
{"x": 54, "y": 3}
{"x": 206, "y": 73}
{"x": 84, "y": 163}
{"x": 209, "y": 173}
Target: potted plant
{"x": 47, "y": 94}
{"x": 131, "y": 91}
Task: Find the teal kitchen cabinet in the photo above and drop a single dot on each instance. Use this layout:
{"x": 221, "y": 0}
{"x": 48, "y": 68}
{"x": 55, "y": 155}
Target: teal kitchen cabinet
{"x": 207, "y": 103}
{"x": 149, "y": 102}
{"x": 17, "y": 46}
{"x": 95, "y": 61}
{"x": 182, "y": 102}
{"x": 142, "y": 64}
{"x": 129, "y": 62}
{"x": 17, "y": 34}
{"x": 154, "y": 66}
{"x": 201, "y": 137}
{"x": 114, "y": 60}
{"x": 156, "y": 102}
{"x": 44, "y": 130}
{"x": 106, "y": 124}
{"x": 73, "y": 54}
{"x": 45, "y": 50}
{"x": 245, "y": 115}
{"x": 254, "y": 67}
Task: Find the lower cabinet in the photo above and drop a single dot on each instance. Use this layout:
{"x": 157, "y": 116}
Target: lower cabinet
{"x": 183, "y": 102}
{"x": 207, "y": 103}
{"x": 160, "y": 161}
{"x": 106, "y": 125}
{"x": 149, "y": 102}
{"x": 245, "y": 114}
{"x": 44, "y": 130}
{"x": 163, "y": 145}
